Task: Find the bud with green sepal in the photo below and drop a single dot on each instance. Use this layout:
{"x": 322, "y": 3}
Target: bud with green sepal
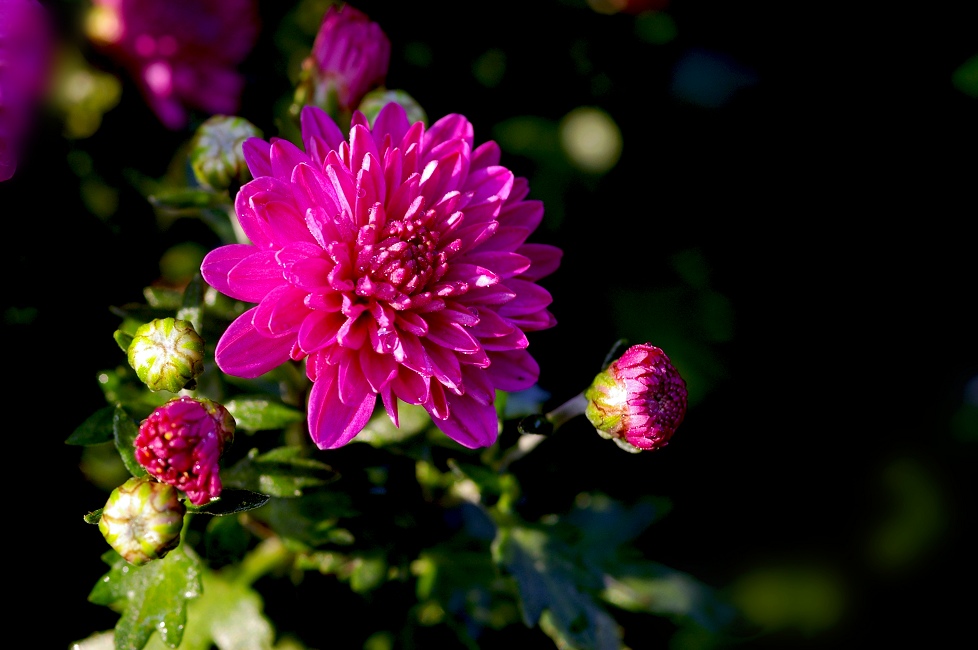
{"x": 142, "y": 519}
{"x": 639, "y": 400}
{"x": 216, "y": 153}
{"x": 167, "y": 354}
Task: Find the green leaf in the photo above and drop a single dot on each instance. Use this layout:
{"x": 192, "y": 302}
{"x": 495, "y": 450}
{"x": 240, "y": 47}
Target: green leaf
{"x": 125, "y": 430}
{"x": 310, "y": 519}
{"x": 228, "y": 615}
{"x": 640, "y": 586}
{"x": 555, "y": 593}
{"x": 230, "y": 502}
{"x": 261, "y": 413}
{"x": 281, "y": 472}
{"x": 163, "y": 298}
{"x": 98, "y": 428}
{"x": 380, "y": 431}
{"x": 604, "y": 524}
{"x": 192, "y": 304}
{"x": 123, "y": 340}
{"x": 151, "y": 598}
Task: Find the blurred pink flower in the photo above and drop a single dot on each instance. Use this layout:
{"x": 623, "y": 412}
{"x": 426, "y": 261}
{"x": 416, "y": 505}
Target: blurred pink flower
{"x": 639, "y": 400}
{"x": 395, "y": 264}
{"x": 183, "y": 54}
{"x": 181, "y": 442}
{"x": 26, "y": 42}
{"x": 349, "y": 58}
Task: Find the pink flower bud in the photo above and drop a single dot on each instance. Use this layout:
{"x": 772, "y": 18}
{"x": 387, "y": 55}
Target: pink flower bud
{"x": 349, "y": 58}
{"x": 181, "y": 442}
{"x": 26, "y": 41}
{"x": 639, "y": 400}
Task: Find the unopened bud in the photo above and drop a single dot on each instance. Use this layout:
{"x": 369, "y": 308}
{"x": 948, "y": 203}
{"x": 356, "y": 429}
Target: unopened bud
{"x": 142, "y": 519}
{"x": 639, "y": 400}
{"x": 216, "y": 154}
{"x": 350, "y": 56}
{"x": 167, "y": 354}
{"x": 181, "y": 442}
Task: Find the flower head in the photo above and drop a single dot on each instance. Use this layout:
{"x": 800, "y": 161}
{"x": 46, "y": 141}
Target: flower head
{"x": 142, "y": 519}
{"x": 349, "y": 57}
{"x": 182, "y": 53}
{"x": 639, "y": 400}
{"x": 26, "y": 41}
{"x": 181, "y": 442}
{"x": 395, "y": 263}
{"x": 167, "y": 354}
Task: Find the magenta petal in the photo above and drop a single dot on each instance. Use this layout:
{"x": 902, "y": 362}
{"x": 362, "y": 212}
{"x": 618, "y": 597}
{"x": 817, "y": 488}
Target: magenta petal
{"x": 527, "y": 214}
{"x": 332, "y": 423}
{"x": 392, "y": 119}
{"x": 448, "y": 128}
{"x": 316, "y": 123}
{"x": 544, "y": 260}
{"x": 255, "y": 276}
{"x": 258, "y": 157}
{"x": 513, "y": 370}
{"x": 469, "y": 423}
{"x": 530, "y": 298}
{"x": 503, "y": 264}
{"x": 218, "y": 263}
{"x": 243, "y": 352}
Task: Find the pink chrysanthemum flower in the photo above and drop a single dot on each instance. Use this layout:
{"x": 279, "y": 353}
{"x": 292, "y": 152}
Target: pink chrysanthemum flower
{"x": 181, "y": 442}
{"x": 395, "y": 264}
{"x": 26, "y": 41}
{"x": 182, "y": 53}
{"x": 350, "y": 57}
{"x": 639, "y": 400}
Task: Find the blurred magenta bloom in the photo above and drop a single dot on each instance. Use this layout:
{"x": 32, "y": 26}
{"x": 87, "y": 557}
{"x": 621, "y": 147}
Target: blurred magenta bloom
{"x": 26, "y": 42}
{"x": 639, "y": 400}
{"x": 181, "y": 442}
{"x": 395, "y": 264}
{"x": 183, "y": 54}
{"x": 349, "y": 58}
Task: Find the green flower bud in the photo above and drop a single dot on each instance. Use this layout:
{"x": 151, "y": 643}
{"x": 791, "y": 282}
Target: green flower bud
{"x": 380, "y": 97}
{"x": 216, "y": 153}
{"x": 167, "y": 354}
{"x": 142, "y": 519}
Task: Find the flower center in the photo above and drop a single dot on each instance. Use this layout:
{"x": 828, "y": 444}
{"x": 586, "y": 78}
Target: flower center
{"x": 406, "y": 257}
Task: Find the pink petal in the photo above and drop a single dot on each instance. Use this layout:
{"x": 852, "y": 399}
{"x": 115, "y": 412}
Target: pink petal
{"x": 448, "y": 128}
{"x": 332, "y": 423}
{"x": 544, "y": 260}
{"x": 317, "y": 124}
{"x": 258, "y": 157}
{"x": 218, "y": 263}
{"x": 526, "y": 214}
{"x": 503, "y": 264}
{"x": 512, "y": 370}
{"x": 393, "y": 120}
{"x": 469, "y": 423}
{"x": 530, "y": 298}
{"x": 243, "y": 352}
{"x": 254, "y": 276}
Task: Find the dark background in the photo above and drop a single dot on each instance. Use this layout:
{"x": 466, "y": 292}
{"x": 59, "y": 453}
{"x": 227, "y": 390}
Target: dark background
{"x": 830, "y": 202}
